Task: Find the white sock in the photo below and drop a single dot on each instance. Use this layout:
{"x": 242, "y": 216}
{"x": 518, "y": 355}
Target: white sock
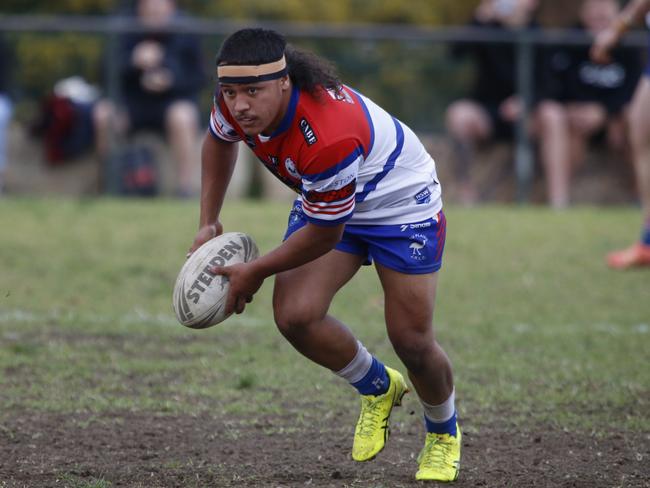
{"x": 358, "y": 367}
{"x": 440, "y": 413}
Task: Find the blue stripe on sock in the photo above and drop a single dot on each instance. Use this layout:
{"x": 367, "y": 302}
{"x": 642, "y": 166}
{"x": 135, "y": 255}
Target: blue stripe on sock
{"x": 447, "y": 427}
{"x": 375, "y": 382}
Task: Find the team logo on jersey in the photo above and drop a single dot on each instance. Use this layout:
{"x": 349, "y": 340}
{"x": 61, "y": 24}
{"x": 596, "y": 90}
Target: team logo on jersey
{"x": 418, "y": 242}
{"x": 340, "y": 95}
{"x": 290, "y": 166}
{"x": 332, "y": 195}
{"x": 307, "y": 132}
{"x": 423, "y": 196}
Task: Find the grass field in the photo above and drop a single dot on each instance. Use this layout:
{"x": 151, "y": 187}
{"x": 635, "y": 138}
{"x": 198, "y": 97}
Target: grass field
{"x": 541, "y": 334}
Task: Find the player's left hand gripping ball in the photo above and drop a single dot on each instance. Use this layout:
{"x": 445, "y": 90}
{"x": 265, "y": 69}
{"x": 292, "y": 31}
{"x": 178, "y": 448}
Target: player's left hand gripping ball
{"x": 200, "y": 295}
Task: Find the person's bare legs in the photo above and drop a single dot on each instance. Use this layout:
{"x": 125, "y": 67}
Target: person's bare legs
{"x": 301, "y": 299}
{"x": 640, "y": 142}
{"x": 585, "y": 119}
{"x": 409, "y": 304}
{"x": 552, "y": 132}
{"x": 467, "y": 125}
{"x": 182, "y": 123}
{"x": 639, "y": 253}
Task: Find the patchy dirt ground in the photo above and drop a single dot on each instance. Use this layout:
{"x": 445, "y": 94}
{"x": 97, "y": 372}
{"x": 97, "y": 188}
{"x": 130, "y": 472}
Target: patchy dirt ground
{"x": 136, "y": 450}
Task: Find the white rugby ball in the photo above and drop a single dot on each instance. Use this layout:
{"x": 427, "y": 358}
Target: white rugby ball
{"x": 199, "y": 295}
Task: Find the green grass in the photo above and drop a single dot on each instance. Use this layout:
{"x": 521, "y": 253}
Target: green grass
{"x": 535, "y": 324}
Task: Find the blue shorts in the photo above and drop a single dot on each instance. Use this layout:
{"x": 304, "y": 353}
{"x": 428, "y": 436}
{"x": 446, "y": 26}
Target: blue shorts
{"x": 410, "y": 248}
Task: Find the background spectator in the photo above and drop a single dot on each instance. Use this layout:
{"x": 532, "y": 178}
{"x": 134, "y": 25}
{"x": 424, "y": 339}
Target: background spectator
{"x": 5, "y": 110}
{"x": 161, "y": 74}
{"x": 639, "y": 253}
{"x": 493, "y": 106}
{"x": 594, "y": 95}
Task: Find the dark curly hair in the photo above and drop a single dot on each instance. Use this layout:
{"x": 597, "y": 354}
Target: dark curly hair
{"x": 307, "y": 71}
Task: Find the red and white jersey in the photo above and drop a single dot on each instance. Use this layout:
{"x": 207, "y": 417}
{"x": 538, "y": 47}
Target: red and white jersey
{"x": 349, "y": 160}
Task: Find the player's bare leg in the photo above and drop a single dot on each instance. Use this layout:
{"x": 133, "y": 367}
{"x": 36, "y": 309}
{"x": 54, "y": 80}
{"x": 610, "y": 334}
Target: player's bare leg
{"x": 301, "y": 299}
{"x": 409, "y": 304}
{"x": 639, "y": 253}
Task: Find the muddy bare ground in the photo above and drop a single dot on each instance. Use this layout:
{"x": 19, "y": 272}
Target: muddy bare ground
{"x": 137, "y": 450}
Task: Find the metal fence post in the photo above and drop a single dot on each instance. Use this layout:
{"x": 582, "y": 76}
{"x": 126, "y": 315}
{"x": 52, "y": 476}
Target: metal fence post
{"x": 524, "y": 158}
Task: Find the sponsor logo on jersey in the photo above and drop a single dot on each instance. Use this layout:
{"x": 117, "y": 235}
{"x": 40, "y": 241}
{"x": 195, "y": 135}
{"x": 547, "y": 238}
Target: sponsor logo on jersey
{"x": 307, "y": 132}
{"x": 423, "y": 196}
{"x": 418, "y": 242}
{"x": 333, "y": 195}
{"x": 290, "y": 166}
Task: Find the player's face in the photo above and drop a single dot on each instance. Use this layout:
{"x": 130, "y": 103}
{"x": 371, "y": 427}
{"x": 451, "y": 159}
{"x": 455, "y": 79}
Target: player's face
{"x": 258, "y": 107}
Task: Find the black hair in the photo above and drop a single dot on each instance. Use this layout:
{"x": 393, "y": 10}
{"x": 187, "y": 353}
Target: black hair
{"x": 253, "y": 46}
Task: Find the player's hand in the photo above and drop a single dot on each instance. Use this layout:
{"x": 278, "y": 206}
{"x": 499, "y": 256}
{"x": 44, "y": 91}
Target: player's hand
{"x": 244, "y": 283}
{"x": 603, "y": 45}
{"x": 204, "y": 234}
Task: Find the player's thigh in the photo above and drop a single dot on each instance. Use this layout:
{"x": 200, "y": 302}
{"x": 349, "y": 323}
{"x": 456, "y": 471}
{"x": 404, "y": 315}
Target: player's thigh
{"x": 409, "y": 301}
{"x": 304, "y": 294}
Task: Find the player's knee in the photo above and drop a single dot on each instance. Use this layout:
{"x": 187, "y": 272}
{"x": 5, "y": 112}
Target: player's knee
{"x": 294, "y": 319}
{"x": 413, "y": 349}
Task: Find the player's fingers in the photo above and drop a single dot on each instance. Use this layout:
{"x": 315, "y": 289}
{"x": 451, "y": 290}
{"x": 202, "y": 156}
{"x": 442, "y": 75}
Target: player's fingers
{"x": 230, "y": 303}
{"x": 241, "y": 304}
{"x": 218, "y": 270}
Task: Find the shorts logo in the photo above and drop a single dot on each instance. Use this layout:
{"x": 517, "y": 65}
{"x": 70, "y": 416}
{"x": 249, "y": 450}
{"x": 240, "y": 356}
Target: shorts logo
{"x": 307, "y": 132}
{"x": 420, "y": 225}
{"x": 273, "y": 160}
{"x": 423, "y": 196}
{"x": 290, "y": 166}
{"x": 417, "y": 245}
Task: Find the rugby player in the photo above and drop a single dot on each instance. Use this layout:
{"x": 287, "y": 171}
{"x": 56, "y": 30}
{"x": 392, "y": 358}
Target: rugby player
{"x": 367, "y": 192}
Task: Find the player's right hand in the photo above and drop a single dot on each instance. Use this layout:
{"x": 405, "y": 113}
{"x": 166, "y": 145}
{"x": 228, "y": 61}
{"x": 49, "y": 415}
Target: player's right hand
{"x": 204, "y": 234}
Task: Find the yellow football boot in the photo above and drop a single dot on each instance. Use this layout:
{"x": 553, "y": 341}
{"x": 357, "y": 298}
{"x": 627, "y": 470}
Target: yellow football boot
{"x": 373, "y": 428}
{"x": 439, "y": 460}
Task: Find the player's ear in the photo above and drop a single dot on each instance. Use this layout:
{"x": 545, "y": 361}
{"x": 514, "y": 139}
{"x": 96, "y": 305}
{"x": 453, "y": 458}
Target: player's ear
{"x": 285, "y": 83}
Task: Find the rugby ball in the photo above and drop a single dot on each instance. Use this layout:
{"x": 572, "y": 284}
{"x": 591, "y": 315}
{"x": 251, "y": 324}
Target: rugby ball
{"x": 200, "y": 296}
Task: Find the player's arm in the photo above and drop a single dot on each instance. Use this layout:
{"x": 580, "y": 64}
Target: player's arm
{"x": 607, "y": 39}
{"x": 303, "y": 246}
{"x": 217, "y": 165}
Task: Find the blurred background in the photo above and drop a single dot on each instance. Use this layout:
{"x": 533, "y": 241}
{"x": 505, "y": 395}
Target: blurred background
{"x": 73, "y": 130}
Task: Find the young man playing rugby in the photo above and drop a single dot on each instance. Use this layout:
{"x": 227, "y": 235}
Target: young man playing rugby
{"x": 367, "y": 192}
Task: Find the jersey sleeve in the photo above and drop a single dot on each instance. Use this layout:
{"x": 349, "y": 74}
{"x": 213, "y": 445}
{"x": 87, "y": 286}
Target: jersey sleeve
{"x": 220, "y": 126}
{"x": 329, "y": 183}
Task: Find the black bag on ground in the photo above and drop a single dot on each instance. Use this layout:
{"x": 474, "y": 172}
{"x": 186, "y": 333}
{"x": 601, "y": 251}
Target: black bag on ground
{"x": 134, "y": 171}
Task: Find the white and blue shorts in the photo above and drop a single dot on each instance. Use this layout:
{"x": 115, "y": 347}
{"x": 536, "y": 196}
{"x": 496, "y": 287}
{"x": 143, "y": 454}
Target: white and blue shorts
{"x": 410, "y": 248}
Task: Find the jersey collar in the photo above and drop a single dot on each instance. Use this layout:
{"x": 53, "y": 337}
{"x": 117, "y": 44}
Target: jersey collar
{"x": 291, "y": 112}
